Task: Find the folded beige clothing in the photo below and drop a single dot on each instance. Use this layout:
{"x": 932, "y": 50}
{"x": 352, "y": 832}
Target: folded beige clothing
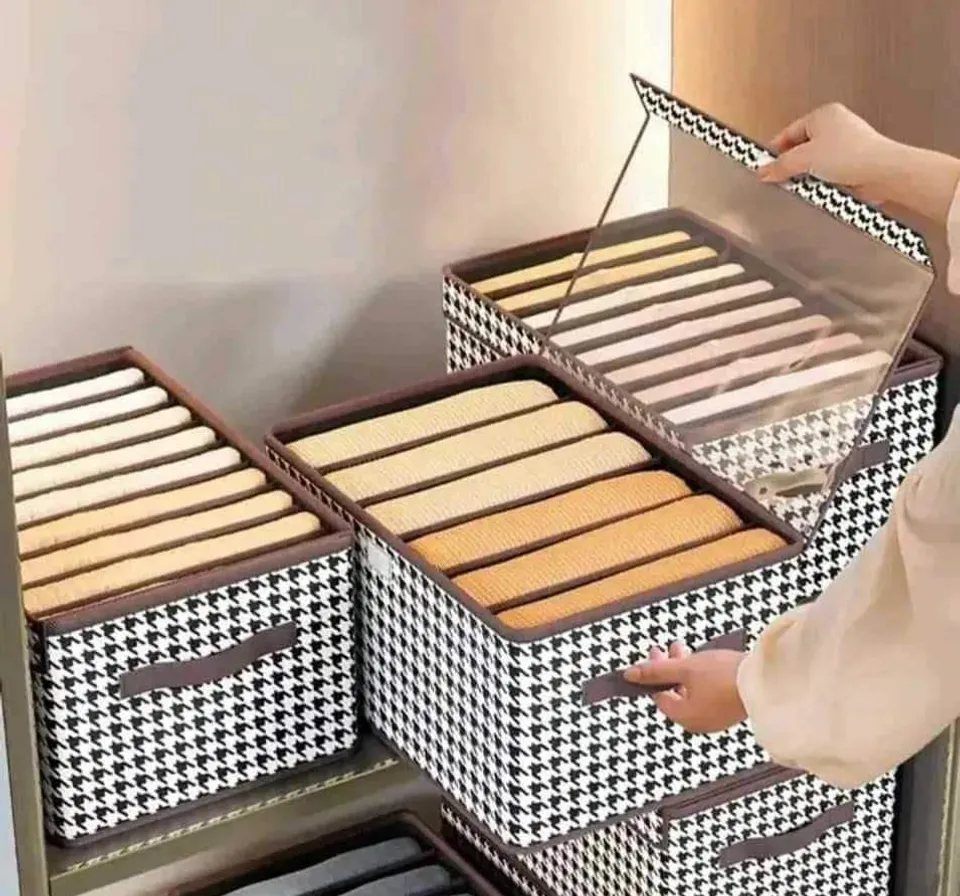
{"x": 139, "y": 571}
{"x": 467, "y": 408}
{"x": 610, "y": 276}
{"x": 528, "y": 477}
{"x": 90, "y": 523}
{"x": 569, "y": 263}
{"x": 86, "y": 414}
{"x": 698, "y": 561}
{"x": 80, "y": 390}
{"x": 84, "y": 440}
{"x": 68, "y": 500}
{"x": 40, "y": 479}
{"x": 563, "y": 514}
{"x": 469, "y": 450}
{"x": 633, "y": 540}
{"x": 108, "y": 548}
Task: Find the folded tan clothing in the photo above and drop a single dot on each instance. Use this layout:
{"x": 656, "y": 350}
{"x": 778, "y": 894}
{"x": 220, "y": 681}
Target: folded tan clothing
{"x": 80, "y": 390}
{"x": 697, "y": 561}
{"x": 467, "y": 408}
{"x": 90, "y": 523}
{"x": 108, "y": 548}
{"x": 469, "y": 450}
{"x": 610, "y": 276}
{"x": 138, "y": 571}
{"x": 41, "y": 479}
{"x": 124, "y": 485}
{"x": 528, "y": 477}
{"x": 569, "y": 263}
{"x": 86, "y": 414}
{"x": 509, "y": 530}
{"x": 633, "y": 540}
{"x": 84, "y": 440}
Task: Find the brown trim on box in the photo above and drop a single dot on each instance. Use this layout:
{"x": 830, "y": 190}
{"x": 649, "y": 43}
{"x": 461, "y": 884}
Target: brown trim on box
{"x": 734, "y": 787}
{"x": 760, "y": 848}
{"x": 534, "y": 366}
{"x": 335, "y": 536}
{"x": 204, "y": 670}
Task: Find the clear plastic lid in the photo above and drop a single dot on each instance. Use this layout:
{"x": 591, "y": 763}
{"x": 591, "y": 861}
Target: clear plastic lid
{"x": 755, "y": 324}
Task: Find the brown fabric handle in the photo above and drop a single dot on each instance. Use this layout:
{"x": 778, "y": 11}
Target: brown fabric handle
{"x": 760, "y": 848}
{"x": 613, "y": 684}
{"x": 209, "y": 668}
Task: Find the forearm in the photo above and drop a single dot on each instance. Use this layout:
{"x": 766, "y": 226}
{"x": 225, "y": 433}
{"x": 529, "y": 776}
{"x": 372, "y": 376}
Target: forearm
{"x": 921, "y": 180}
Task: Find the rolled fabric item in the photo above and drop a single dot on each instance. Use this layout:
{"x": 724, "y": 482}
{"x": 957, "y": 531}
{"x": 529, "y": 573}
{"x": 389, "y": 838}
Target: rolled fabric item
{"x": 725, "y": 376}
{"x": 688, "y": 329}
{"x": 68, "y": 500}
{"x": 718, "y": 349}
{"x": 90, "y": 523}
{"x": 29, "y": 428}
{"x": 416, "y": 882}
{"x": 137, "y": 572}
{"x": 509, "y": 530}
{"x": 468, "y": 408}
{"x": 40, "y": 479}
{"x": 108, "y": 548}
{"x": 569, "y": 263}
{"x": 79, "y": 390}
{"x": 777, "y": 387}
{"x": 632, "y": 540}
{"x": 84, "y": 440}
{"x": 339, "y": 870}
{"x": 628, "y": 295}
{"x": 662, "y": 311}
{"x": 469, "y": 450}
{"x": 609, "y": 276}
{"x": 528, "y": 477}
{"x": 698, "y": 561}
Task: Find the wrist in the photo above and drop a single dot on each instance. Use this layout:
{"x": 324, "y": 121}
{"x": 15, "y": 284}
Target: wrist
{"x": 921, "y": 180}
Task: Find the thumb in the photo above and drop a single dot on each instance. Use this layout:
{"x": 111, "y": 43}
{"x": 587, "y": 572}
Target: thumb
{"x": 658, "y": 672}
{"x": 792, "y": 163}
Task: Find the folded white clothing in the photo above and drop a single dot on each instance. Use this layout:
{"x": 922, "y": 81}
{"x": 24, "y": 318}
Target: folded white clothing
{"x": 610, "y": 301}
{"x": 86, "y": 414}
{"x": 44, "y": 399}
{"x": 689, "y": 329}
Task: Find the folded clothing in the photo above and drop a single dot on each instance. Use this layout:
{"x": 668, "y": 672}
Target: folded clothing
{"x": 86, "y": 414}
{"x": 138, "y": 572}
{"x": 90, "y": 523}
{"x": 587, "y": 459}
{"x": 80, "y": 390}
{"x": 569, "y": 263}
{"x": 632, "y": 540}
{"x": 609, "y": 276}
{"x": 474, "y": 406}
{"x": 424, "y": 881}
{"x": 504, "y": 440}
{"x": 84, "y": 440}
{"x": 701, "y": 560}
{"x": 152, "y": 537}
{"x": 587, "y": 506}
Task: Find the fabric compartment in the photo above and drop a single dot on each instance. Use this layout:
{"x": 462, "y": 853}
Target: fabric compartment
{"x": 191, "y": 609}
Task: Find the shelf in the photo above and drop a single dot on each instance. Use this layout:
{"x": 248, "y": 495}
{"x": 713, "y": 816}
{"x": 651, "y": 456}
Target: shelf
{"x": 231, "y": 822}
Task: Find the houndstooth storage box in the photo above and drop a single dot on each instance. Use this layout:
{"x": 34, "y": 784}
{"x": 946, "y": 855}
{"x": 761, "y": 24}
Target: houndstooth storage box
{"x": 771, "y": 832}
{"x": 152, "y": 698}
{"x": 534, "y": 734}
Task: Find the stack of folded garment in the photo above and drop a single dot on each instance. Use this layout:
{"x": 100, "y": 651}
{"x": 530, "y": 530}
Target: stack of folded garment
{"x": 119, "y": 487}
{"x": 689, "y": 332}
{"x": 532, "y": 504}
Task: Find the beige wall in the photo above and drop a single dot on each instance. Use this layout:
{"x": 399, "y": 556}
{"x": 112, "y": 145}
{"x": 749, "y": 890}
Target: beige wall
{"x": 260, "y": 194}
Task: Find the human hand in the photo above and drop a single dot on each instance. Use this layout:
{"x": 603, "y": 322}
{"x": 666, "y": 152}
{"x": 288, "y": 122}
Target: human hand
{"x": 706, "y": 699}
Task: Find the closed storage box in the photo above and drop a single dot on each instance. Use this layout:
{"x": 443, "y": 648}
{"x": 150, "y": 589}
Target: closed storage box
{"x": 771, "y": 831}
{"x": 521, "y": 542}
{"x": 191, "y": 609}
{"x": 393, "y": 855}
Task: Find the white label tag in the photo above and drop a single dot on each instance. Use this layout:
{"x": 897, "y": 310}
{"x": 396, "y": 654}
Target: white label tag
{"x": 379, "y": 561}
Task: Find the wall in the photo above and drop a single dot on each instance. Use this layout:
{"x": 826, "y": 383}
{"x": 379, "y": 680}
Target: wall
{"x": 261, "y": 194}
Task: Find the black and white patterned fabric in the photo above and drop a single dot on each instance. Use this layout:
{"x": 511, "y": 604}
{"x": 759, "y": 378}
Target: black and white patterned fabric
{"x": 653, "y": 856}
{"x": 109, "y": 761}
